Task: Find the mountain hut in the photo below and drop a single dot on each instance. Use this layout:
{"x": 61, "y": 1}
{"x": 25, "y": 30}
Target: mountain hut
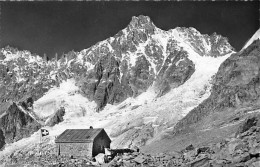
{"x": 82, "y": 142}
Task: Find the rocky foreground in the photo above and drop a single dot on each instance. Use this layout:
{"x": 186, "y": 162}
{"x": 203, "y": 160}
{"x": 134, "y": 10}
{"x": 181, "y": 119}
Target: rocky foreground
{"x": 240, "y": 150}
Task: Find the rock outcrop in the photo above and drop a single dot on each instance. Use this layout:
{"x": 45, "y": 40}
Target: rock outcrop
{"x": 56, "y": 118}
{"x": 2, "y": 139}
{"x": 15, "y": 124}
{"x": 22, "y": 76}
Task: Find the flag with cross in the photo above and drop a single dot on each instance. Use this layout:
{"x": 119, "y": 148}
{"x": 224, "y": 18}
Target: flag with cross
{"x": 44, "y": 132}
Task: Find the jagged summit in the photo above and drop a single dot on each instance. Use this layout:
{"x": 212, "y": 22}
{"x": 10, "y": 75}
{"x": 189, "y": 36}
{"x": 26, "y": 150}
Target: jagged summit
{"x": 141, "y": 29}
{"x": 141, "y": 21}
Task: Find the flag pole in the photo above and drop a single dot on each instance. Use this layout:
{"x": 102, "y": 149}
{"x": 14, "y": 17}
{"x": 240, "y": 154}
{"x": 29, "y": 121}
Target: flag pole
{"x": 40, "y": 142}
{"x": 40, "y": 136}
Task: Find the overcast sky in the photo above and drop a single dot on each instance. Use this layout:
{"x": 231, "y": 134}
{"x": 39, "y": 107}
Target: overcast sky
{"x": 50, "y": 27}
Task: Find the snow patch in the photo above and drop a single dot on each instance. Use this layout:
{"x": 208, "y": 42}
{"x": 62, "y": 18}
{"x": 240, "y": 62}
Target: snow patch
{"x": 67, "y": 96}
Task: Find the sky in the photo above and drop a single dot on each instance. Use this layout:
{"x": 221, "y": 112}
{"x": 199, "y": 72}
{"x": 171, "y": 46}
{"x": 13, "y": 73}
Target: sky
{"x": 59, "y": 27}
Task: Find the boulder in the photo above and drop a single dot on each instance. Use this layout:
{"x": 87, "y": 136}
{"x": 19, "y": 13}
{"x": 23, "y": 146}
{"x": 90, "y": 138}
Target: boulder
{"x": 100, "y": 158}
{"x": 190, "y": 147}
{"x": 190, "y": 155}
{"x": 203, "y": 150}
{"x": 255, "y": 150}
{"x": 248, "y": 163}
{"x": 255, "y": 164}
{"x": 140, "y": 159}
{"x": 241, "y": 158}
{"x": 248, "y": 123}
{"x": 232, "y": 146}
{"x": 204, "y": 162}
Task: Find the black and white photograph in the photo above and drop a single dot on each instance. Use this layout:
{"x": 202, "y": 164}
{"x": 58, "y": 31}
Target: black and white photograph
{"x": 129, "y": 83}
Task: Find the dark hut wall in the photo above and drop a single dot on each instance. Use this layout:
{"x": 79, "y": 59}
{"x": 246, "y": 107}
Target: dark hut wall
{"x": 101, "y": 142}
{"x": 75, "y": 149}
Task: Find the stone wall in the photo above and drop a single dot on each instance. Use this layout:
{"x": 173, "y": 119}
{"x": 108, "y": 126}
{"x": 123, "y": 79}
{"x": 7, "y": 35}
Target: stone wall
{"x": 75, "y": 149}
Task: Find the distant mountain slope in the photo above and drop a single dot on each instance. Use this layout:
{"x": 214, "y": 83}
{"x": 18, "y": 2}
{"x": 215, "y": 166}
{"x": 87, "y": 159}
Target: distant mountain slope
{"x": 236, "y": 85}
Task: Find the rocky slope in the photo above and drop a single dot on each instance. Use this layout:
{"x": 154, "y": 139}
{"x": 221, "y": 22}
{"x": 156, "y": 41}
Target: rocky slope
{"x": 16, "y": 124}
{"x": 236, "y": 85}
{"x": 242, "y": 150}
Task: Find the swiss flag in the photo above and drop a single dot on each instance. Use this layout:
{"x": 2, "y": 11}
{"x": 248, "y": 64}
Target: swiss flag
{"x": 44, "y": 132}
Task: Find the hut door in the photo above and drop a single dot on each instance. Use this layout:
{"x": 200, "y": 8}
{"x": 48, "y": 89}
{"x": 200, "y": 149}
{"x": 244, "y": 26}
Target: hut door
{"x": 59, "y": 149}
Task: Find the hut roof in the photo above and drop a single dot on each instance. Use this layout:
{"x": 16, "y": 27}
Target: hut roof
{"x": 78, "y": 135}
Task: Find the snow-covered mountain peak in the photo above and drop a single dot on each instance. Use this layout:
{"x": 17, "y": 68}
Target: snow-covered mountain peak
{"x": 252, "y": 39}
{"x": 203, "y": 44}
{"x": 139, "y": 55}
{"x": 12, "y": 54}
{"x": 141, "y": 35}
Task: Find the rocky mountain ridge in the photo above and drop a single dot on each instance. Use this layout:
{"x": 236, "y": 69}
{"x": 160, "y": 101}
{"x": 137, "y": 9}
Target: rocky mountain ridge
{"x": 16, "y": 124}
{"x": 123, "y": 66}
